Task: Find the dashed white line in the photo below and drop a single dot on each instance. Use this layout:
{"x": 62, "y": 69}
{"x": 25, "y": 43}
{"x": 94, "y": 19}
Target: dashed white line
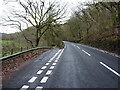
{"x": 49, "y": 72}
{"x": 56, "y": 60}
{"x": 86, "y": 52}
{"x": 52, "y": 67}
{"x": 44, "y": 80}
{"x": 78, "y": 47}
{"x": 32, "y": 79}
{"x": 39, "y": 88}
{"x": 44, "y": 67}
{"x": 54, "y": 63}
{"x": 24, "y": 87}
{"x": 116, "y": 73}
{"x": 47, "y": 63}
{"x": 40, "y": 71}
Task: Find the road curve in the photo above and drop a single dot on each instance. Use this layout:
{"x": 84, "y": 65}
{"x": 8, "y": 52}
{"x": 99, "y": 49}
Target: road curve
{"x": 75, "y": 66}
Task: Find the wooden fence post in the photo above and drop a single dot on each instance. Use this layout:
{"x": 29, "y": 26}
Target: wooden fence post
{"x": 27, "y": 48}
{"x": 11, "y": 51}
{"x": 21, "y": 49}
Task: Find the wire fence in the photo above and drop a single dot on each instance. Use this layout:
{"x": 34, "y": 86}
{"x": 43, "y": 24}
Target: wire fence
{"x": 13, "y": 50}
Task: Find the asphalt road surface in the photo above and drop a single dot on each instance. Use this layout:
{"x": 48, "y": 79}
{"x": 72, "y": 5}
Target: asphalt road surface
{"x": 74, "y": 66}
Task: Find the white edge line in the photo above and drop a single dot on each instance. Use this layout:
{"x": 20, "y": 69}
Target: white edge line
{"x": 110, "y": 69}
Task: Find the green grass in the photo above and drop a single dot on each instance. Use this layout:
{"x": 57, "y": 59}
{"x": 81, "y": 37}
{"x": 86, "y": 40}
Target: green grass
{"x": 7, "y": 45}
{"x": 6, "y": 42}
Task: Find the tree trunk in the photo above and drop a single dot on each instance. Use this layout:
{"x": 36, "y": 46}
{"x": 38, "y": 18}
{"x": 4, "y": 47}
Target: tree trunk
{"x": 37, "y": 37}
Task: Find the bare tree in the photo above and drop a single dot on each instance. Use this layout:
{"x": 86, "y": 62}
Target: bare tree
{"x": 39, "y": 15}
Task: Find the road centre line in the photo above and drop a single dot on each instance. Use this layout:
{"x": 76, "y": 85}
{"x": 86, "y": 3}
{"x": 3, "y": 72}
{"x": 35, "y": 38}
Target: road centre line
{"x": 40, "y": 71}
{"x": 44, "y": 80}
{"x": 54, "y": 56}
{"x": 24, "y": 87}
{"x": 60, "y": 54}
{"x": 65, "y": 46}
{"x": 52, "y": 67}
{"x": 78, "y": 47}
{"x": 44, "y": 67}
{"x": 86, "y": 52}
{"x": 32, "y": 79}
{"x": 116, "y": 73}
{"x": 49, "y": 72}
{"x": 47, "y": 63}
{"x": 39, "y": 88}
{"x": 54, "y": 63}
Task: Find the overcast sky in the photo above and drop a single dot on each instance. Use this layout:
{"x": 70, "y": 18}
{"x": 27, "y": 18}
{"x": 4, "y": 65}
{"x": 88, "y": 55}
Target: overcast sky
{"x": 5, "y": 8}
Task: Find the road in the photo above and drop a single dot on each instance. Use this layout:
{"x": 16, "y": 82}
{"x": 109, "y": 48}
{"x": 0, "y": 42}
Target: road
{"x": 74, "y": 66}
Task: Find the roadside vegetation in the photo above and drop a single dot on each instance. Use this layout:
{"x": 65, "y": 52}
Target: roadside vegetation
{"x": 94, "y": 24}
{"x": 97, "y": 25}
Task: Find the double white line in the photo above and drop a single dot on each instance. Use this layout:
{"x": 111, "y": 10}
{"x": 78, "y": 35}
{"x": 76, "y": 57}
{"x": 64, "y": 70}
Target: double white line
{"x": 45, "y": 78}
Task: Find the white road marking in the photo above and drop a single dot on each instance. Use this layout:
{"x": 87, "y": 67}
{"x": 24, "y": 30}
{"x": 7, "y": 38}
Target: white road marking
{"x": 39, "y": 88}
{"x": 56, "y": 60}
{"x": 40, "y": 71}
{"x": 49, "y": 72}
{"x": 24, "y": 87}
{"x": 44, "y": 80}
{"x": 54, "y": 63}
{"x": 32, "y": 79}
{"x": 54, "y": 56}
{"x": 52, "y": 67}
{"x": 44, "y": 67}
{"x": 51, "y": 59}
{"x": 65, "y": 46}
{"x": 78, "y": 47}
{"x": 110, "y": 69}
{"x": 47, "y": 63}
{"x": 86, "y": 52}
{"x": 60, "y": 54}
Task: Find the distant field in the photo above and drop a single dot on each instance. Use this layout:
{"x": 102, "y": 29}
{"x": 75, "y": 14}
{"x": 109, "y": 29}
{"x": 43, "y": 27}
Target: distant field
{"x": 9, "y": 45}
{"x": 6, "y": 42}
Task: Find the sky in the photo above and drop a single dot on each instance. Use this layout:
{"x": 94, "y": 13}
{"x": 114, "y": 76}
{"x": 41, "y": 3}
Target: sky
{"x": 5, "y": 8}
